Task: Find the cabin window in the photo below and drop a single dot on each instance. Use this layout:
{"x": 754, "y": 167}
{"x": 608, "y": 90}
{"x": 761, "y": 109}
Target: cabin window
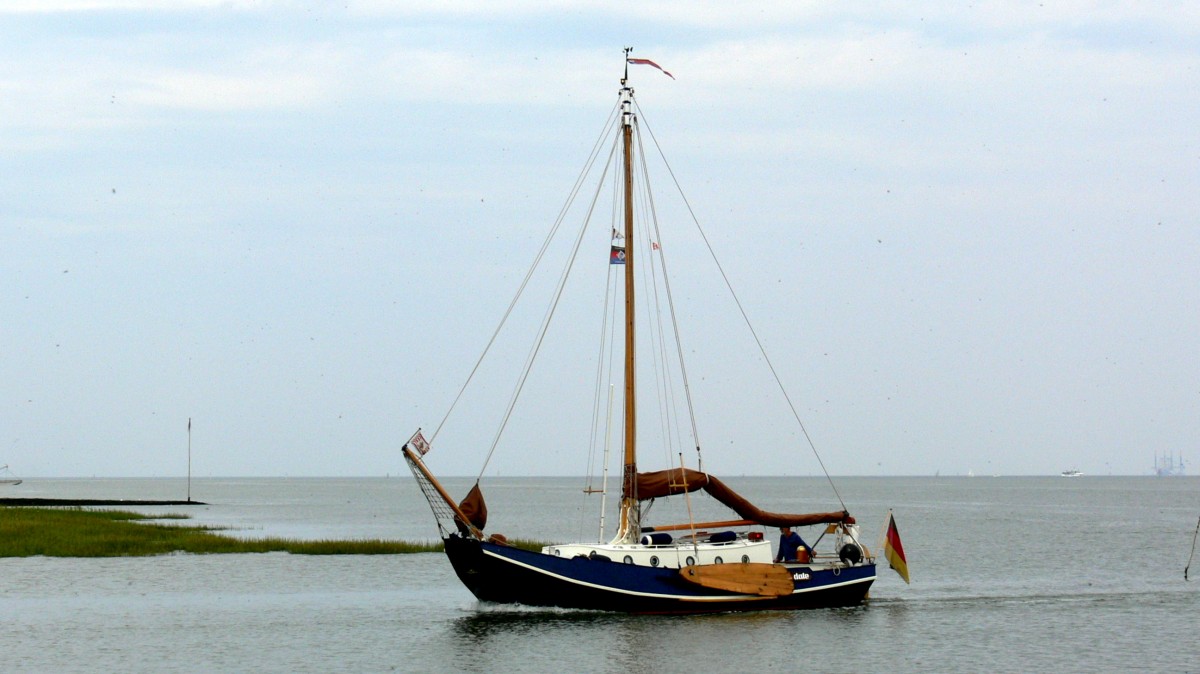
{"x": 653, "y": 560}
{"x": 628, "y": 559}
{"x": 718, "y": 560}
{"x": 690, "y": 561}
{"x": 745, "y": 559}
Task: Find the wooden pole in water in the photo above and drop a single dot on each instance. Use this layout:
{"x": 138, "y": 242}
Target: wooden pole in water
{"x": 189, "y": 486}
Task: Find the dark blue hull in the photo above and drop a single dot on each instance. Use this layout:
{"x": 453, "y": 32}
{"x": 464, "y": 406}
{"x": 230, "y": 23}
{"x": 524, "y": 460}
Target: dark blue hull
{"x": 508, "y": 575}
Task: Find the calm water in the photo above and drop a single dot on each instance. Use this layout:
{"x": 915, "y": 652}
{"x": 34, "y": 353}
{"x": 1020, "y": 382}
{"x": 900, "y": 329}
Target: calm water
{"x": 1009, "y": 574}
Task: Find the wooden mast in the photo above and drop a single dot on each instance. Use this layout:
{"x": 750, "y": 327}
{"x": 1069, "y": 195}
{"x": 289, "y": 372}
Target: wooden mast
{"x": 630, "y": 525}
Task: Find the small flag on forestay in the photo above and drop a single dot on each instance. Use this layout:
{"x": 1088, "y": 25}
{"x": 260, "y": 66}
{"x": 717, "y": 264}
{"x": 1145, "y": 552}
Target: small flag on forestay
{"x": 419, "y": 443}
{"x": 894, "y": 550}
{"x": 617, "y": 256}
{"x": 648, "y": 62}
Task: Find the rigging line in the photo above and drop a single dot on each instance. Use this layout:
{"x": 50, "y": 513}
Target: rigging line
{"x": 746, "y": 318}
{"x": 687, "y": 389}
{"x": 1189, "y": 564}
{"x": 604, "y": 328}
{"x": 605, "y": 367}
{"x": 652, "y": 332}
{"x": 610, "y": 360}
{"x": 562, "y": 284}
{"x": 687, "y": 499}
{"x": 669, "y": 418}
{"x": 599, "y": 383}
{"x": 654, "y": 320}
{"x": 579, "y": 180}
{"x": 604, "y": 373}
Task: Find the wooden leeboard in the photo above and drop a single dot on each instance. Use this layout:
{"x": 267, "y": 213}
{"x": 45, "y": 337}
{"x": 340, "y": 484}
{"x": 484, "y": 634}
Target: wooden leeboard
{"x": 767, "y": 580}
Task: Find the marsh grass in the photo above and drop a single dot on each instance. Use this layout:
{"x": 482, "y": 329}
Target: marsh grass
{"x": 527, "y": 544}
{"x": 75, "y": 532}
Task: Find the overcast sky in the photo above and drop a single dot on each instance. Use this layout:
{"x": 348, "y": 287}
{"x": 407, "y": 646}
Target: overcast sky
{"x": 969, "y": 234}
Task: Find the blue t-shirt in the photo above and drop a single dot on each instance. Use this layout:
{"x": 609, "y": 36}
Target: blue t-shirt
{"x": 788, "y": 545}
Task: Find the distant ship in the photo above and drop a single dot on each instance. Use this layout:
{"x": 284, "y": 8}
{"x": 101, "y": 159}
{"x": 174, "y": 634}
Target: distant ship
{"x": 1168, "y": 465}
{"x": 1072, "y": 473}
{"x": 6, "y": 476}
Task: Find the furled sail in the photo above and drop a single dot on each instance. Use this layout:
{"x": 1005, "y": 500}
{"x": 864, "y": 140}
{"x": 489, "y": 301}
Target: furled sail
{"x": 474, "y": 508}
{"x": 682, "y": 480}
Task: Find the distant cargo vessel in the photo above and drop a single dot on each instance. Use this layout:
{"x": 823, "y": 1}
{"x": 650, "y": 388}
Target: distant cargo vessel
{"x": 1168, "y": 465}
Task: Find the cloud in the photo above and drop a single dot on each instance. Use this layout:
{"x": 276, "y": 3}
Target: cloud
{"x": 76, "y": 6}
{"x": 939, "y": 168}
{"x": 270, "y": 82}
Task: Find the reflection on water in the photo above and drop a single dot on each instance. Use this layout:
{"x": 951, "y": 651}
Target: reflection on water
{"x": 597, "y": 641}
{"x": 491, "y": 621}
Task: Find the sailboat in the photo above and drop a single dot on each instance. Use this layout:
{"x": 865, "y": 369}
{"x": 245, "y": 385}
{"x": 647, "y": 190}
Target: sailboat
{"x": 7, "y": 478}
{"x": 673, "y": 567}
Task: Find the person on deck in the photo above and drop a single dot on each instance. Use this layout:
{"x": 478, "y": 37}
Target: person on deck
{"x": 792, "y": 548}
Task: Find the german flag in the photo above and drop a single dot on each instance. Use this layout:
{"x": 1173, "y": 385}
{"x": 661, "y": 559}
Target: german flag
{"x": 894, "y": 550}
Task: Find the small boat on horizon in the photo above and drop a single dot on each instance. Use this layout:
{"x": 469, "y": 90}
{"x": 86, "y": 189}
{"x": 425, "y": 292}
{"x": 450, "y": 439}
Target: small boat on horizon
{"x": 1071, "y": 473}
{"x": 7, "y": 478}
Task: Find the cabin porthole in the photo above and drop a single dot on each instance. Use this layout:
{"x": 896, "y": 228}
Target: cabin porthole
{"x": 718, "y": 560}
{"x": 653, "y": 560}
{"x": 690, "y": 561}
{"x": 745, "y": 559}
{"x": 557, "y": 552}
{"x": 628, "y": 559}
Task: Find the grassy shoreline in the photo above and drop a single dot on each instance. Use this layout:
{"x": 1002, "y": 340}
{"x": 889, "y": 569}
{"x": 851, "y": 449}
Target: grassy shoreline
{"x": 76, "y": 532}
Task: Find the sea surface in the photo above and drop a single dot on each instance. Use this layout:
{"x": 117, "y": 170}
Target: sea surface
{"x": 1009, "y": 574}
